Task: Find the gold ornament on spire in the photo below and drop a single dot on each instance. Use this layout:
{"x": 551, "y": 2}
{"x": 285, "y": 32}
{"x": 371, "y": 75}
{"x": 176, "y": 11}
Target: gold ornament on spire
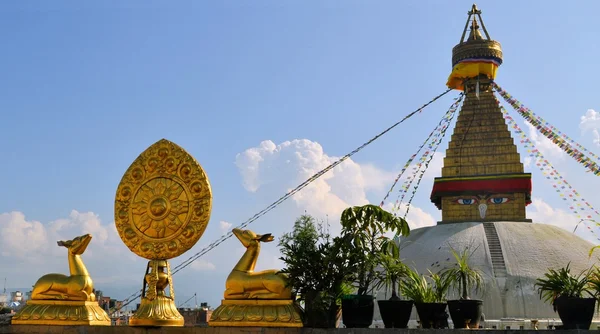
{"x": 162, "y": 208}
{"x": 476, "y": 56}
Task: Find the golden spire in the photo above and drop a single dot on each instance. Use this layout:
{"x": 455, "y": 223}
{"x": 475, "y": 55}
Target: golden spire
{"x": 476, "y": 45}
{"x": 475, "y": 33}
{"x": 482, "y": 178}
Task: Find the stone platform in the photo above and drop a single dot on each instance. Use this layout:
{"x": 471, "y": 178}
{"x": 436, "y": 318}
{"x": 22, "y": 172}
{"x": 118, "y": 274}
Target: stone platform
{"x": 255, "y": 330}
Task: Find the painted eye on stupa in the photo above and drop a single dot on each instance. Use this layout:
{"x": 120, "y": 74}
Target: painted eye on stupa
{"x": 499, "y": 200}
{"x": 465, "y": 201}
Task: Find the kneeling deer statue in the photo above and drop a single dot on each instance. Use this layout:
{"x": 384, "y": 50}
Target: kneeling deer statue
{"x": 78, "y": 286}
{"x": 244, "y": 283}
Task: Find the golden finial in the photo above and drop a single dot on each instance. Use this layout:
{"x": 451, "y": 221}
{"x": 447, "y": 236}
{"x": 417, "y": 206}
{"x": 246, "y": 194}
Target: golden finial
{"x": 475, "y": 34}
{"x": 476, "y": 45}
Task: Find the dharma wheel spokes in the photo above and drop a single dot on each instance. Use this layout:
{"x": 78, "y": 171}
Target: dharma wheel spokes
{"x": 162, "y": 208}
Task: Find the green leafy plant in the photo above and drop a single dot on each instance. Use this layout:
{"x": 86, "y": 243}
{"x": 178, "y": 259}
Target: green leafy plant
{"x": 561, "y": 283}
{"x": 431, "y": 288}
{"x": 462, "y": 276}
{"x": 364, "y": 226}
{"x": 319, "y": 267}
{"x": 393, "y": 270}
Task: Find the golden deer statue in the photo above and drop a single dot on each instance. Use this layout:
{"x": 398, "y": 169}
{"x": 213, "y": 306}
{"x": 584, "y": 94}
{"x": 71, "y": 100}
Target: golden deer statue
{"x": 64, "y": 300}
{"x": 256, "y": 299}
{"x": 244, "y": 283}
{"x": 78, "y": 286}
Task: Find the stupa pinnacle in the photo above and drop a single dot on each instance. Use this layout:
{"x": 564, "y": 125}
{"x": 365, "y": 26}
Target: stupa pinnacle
{"x": 483, "y": 178}
{"x": 482, "y": 193}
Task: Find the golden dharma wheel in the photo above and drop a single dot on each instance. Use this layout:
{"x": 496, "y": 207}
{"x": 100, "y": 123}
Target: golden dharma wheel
{"x": 163, "y": 202}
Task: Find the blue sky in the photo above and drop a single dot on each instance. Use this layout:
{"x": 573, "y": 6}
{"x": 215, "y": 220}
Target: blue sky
{"x": 88, "y": 86}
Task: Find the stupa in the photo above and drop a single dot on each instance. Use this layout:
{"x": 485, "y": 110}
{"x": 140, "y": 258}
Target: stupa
{"x": 483, "y": 192}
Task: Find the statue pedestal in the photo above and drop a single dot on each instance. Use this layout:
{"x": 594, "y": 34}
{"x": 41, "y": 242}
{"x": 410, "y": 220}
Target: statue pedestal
{"x": 61, "y": 312}
{"x": 161, "y": 311}
{"x": 256, "y": 313}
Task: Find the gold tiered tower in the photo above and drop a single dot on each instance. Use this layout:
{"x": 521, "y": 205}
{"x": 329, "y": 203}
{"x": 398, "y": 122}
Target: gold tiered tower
{"x": 483, "y": 178}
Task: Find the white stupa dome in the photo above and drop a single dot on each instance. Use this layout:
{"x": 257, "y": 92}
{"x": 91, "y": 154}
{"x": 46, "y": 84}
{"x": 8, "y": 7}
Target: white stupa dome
{"x": 526, "y": 251}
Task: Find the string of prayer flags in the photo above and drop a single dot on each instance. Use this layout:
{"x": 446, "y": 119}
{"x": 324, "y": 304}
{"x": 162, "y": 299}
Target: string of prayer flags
{"x": 430, "y": 143}
{"x": 563, "y": 141}
{"x": 576, "y": 204}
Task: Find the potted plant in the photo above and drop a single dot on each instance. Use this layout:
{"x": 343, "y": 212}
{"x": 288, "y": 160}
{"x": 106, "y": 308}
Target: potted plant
{"x": 395, "y": 312}
{"x": 364, "y": 226}
{"x": 465, "y": 312}
{"x": 319, "y": 270}
{"x": 429, "y": 295}
{"x": 567, "y": 294}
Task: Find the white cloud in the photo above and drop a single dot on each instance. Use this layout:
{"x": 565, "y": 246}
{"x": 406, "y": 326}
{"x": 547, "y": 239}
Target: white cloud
{"x": 591, "y": 122}
{"x": 544, "y": 145}
{"x": 279, "y": 168}
{"x": 21, "y": 238}
{"x": 290, "y": 163}
{"x": 224, "y": 226}
{"x": 202, "y": 265}
{"x": 29, "y": 248}
{"x": 541, "y": 212}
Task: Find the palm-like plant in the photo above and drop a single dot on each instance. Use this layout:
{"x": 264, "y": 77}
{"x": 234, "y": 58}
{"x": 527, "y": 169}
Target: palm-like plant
{"x": 365, "y": 225}
{"x": 561, "y": 283}
{"x": 430, "y": 288}
{"x": 393, "y": 268}
{"x": 594, "y": 282}
{"x": 462, "y": 275}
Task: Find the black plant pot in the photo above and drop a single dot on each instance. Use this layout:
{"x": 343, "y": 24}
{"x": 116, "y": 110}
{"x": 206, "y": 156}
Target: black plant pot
{"x": 395, "y": 313}
{"x": 317, "y": 317}
{"x": 357, "y": 311}
{"x": 463, "y": 310}
{"x": 432, "y": 315}
{"x": 575, "y": 313}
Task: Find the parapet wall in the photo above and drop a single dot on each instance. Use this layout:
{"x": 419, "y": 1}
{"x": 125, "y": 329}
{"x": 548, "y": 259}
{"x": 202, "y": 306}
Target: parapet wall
{"x": 251, "y": 330}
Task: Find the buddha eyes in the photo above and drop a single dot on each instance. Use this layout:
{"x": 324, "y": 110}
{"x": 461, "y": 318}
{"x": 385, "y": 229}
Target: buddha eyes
{"x": 498, "y": 200}
{"x": 465, "y": 201}
{"x": 493, "y": 200}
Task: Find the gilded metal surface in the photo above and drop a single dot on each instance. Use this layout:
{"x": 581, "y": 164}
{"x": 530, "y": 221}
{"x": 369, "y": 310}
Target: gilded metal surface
{"x": 77, "y": 286}
{"x": 479, "y": 48}
{"x": 61, "y": 312}
{"x": 482, "y": 145}
{"x": 59, "y": 299}
{"x": 256, "y": 313}
{"x": 163, "y": 202}
{"x": 162, "y": 207}
{"x": 244, "y": 283}
{"x": 475, "y": 45}
{"x": 157, "y": 308}
{"x": 260, "y": 299}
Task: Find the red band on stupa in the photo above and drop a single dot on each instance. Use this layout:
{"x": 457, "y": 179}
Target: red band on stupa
{"x": 516, "y": 183}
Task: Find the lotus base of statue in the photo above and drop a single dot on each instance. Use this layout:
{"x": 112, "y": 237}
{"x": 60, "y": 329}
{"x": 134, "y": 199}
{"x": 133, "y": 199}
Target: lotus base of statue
{"x": 256, "y": 313}
{"x": 158, "y": 312}
{"x": 61, "y": 312}
{"x": 156, "y": 307}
